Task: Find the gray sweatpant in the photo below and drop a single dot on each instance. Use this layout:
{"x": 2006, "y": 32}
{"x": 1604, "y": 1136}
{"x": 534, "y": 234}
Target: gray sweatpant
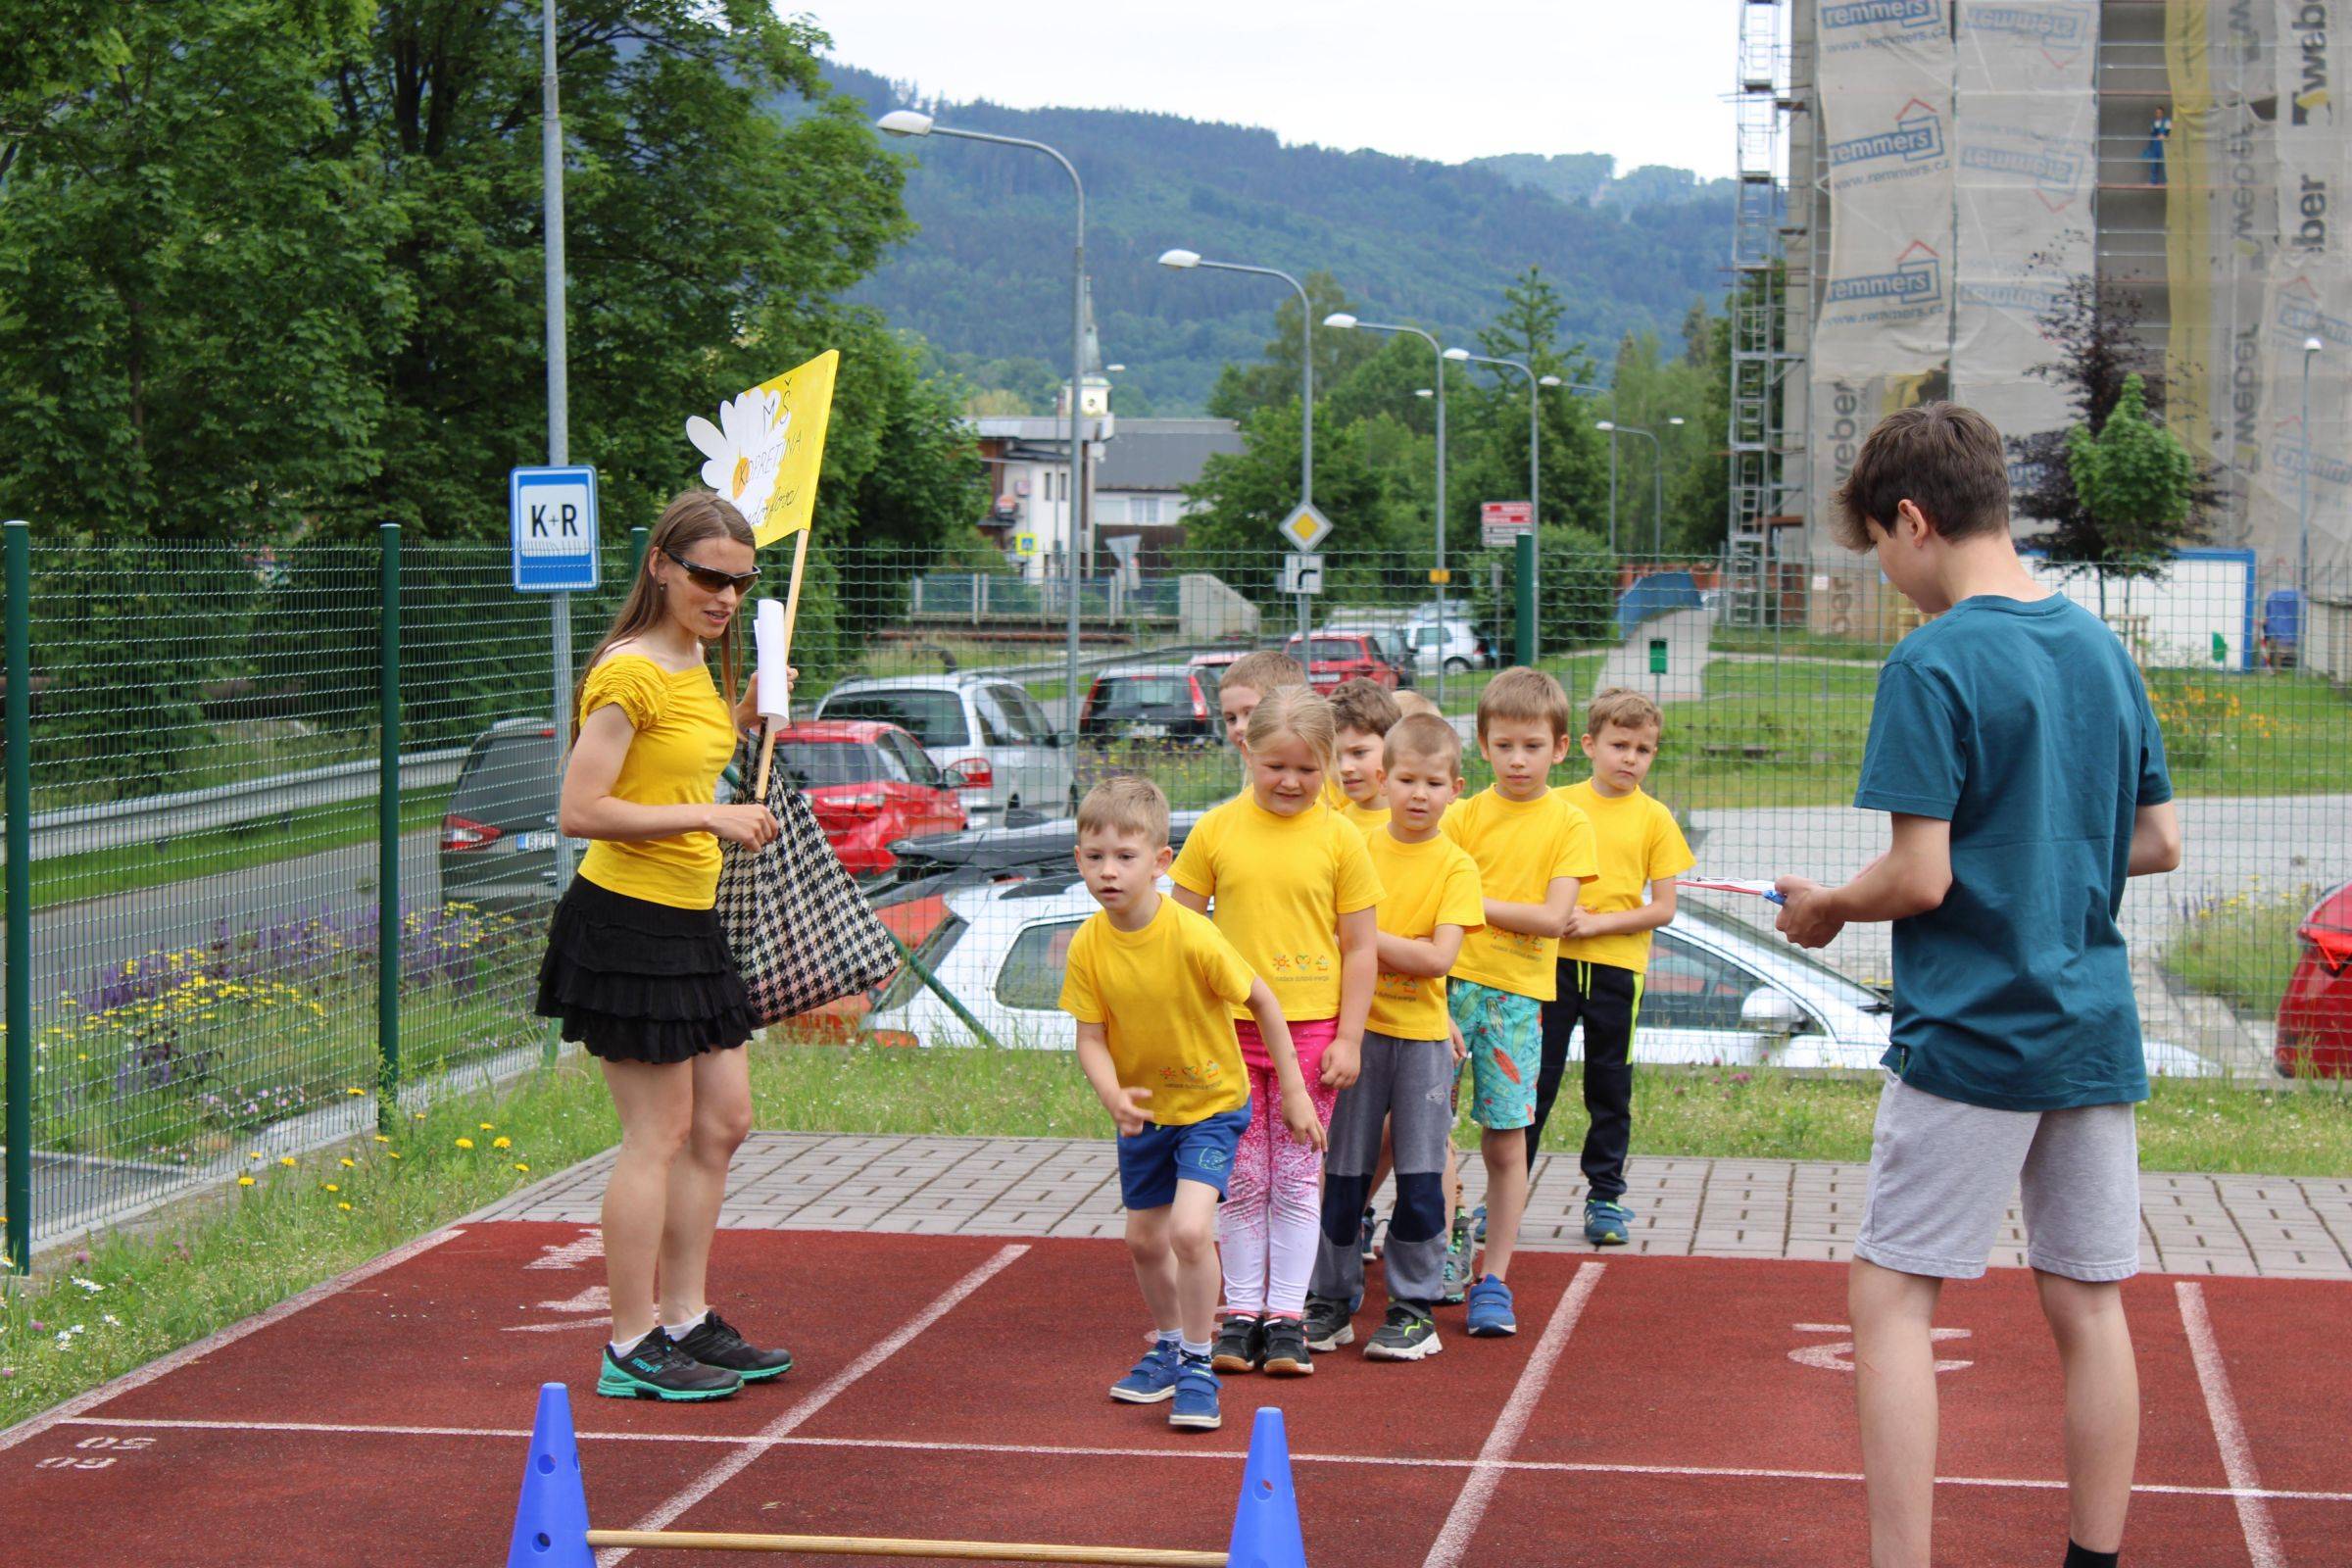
{"x": 1409, "y": 1083}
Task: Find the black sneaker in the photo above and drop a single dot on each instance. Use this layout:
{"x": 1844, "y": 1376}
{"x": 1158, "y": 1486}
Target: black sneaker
{"x": 713, "y": 1342}
{"x": 1240, "y": 1344}
{"x": 1367, "y": 1237}
{"x": 1286, "y": 1349}
{"x": 658, "y": 1369}
{"x": 1407, "y": 1333}
{"x": 1326, "y": 1324}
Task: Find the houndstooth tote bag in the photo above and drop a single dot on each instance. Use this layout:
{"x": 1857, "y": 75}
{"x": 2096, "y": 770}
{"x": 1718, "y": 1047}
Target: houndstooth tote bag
{"x": 800, "y": 933}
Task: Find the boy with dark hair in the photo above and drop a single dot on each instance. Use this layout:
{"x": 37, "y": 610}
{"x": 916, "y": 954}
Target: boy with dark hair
{"x": 1604, "y": 949}
{"x": 2013, "y": 743}
{"x": 1365, "y": 713}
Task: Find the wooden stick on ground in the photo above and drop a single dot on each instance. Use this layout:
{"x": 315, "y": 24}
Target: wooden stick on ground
{"x": 885, "y": 1546}
{"x": 792, "y": 613}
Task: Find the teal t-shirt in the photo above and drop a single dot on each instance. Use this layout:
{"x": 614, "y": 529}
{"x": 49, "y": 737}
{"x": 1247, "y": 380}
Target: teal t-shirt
{"x": 2026, "y": 725}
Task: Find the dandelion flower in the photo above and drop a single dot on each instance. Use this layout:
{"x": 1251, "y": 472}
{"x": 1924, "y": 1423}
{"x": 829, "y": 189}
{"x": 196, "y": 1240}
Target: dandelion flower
{"x": 381, "y": 1139}
{"x": 244, "y": 1181}
{"x": 488, "y": 1128}
{"x": 502, "y": 1143}
{"x": 345, "y": 1207}
{"x": 285, "y": 1159}
{"x": 392, "y": 1155}
{"x": 522, "y": 1167}
{"x": 349, "y": 1164}
{"x": 255, "y": 1154}
{"x": 355, "y": 1091}
{"x": 332, "y": 1188}
{"x": 464, "y": 1143}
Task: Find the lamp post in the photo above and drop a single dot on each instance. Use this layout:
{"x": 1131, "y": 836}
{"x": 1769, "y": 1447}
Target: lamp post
{"x": 1534, "y": 460}
{"x": 914, "y": 123}
{"x": 1657, "y": 535}
{"x": 1185, "y": 261}
{"x": 2311, "y": 346}
{"x": 1342, "y": 322}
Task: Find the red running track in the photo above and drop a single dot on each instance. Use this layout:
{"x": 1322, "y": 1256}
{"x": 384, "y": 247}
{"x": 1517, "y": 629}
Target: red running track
{"x": 1650, "y": 1410}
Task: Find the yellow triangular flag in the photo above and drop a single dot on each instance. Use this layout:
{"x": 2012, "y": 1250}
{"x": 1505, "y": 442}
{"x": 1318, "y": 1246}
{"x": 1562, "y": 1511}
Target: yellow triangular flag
{"x": 765, "y": 453}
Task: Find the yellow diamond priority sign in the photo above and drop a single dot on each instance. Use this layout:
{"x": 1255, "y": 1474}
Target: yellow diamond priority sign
{"x": 1305, "y": 527}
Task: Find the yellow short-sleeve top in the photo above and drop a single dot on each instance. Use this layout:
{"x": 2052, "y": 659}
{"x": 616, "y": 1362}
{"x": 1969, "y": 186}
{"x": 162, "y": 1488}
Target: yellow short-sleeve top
{"x": 685, "y": 737}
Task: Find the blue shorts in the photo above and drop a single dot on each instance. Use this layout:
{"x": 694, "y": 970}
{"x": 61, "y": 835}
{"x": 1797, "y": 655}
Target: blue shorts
{"x": 1153, "y": 1162}
{"x": 1504, "y": 1033}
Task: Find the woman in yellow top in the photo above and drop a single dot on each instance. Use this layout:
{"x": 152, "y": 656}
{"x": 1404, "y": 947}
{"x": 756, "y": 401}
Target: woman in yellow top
{"x": 637, "y": 967}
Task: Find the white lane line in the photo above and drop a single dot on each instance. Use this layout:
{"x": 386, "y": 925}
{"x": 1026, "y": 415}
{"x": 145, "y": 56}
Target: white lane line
{"x": 1487, "y": 1472}
{"x": 2228, "y": 1430}
{"x": 223, "y": 1337}
{"x": 1063, "y": 1450}
{"x": 734, "y": 1464}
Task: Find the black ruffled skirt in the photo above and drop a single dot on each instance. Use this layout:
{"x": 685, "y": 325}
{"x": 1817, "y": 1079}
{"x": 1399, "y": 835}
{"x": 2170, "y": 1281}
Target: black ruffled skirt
{"x": 637, "y": 981}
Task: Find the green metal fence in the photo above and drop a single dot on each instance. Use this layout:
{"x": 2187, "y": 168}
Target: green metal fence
{"x": 281, "y": 838}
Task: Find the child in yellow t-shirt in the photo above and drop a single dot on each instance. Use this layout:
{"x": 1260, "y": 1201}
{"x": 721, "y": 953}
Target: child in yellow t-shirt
{"x": 1431, "y": 899}
{"x": 1365, "y": 711}
{"x": 1534, "y": 851}
{"x": 1604, "y": 948}
{"x": 1294, "y": 891}
{"x": 1153, "y": 986}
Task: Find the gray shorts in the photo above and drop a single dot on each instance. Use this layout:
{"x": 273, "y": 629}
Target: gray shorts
{"x": 1942, "y": 1172}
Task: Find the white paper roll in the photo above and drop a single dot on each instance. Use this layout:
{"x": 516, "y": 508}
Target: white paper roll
{"x": 767, "y": 638}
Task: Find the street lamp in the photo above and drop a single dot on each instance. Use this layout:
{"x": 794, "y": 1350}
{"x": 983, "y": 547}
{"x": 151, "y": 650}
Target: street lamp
{"x": 1657, "y": 527}
{"x": 914, "y": 123}
{"x": 2311, "y": 346}
{"x": 1535, "y": 462}
{"x": 1185, "y": 260}
{"x": 1342, "y": 322}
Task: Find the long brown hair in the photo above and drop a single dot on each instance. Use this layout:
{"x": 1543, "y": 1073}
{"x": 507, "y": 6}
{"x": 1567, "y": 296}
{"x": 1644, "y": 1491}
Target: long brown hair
{"x": 692, "y": 517}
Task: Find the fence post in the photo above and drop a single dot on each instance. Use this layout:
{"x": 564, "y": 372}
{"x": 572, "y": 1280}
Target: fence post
{"x": 389, "y": 925}
{"x": 639, "y": 536}
{"x": 1522, "y": 570}
{"x": 19, "y": 897}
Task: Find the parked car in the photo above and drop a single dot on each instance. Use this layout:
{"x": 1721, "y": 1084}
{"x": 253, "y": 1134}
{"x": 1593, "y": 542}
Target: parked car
{"x": 498, "y": 838}
{"x": 1453, "y": 646}
{"x": 995, "y": 852}
{"x": 1331, "y": 658}
{"x": 986, "y": 725}
{"x": 870, "y": 784}
{"x": 1152, "y": 703}
{"x": 1390, "y": 641}
{"x": 2315, "y": 1017}
{"x": 1717, "y": 989}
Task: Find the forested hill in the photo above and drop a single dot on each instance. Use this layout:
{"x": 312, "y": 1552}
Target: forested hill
{"x": 986, "y": 280}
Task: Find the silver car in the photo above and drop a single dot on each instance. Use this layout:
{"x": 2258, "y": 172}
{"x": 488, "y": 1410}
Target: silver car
{"x": 988, "y": 725}
{"x": 1717, "y": 990}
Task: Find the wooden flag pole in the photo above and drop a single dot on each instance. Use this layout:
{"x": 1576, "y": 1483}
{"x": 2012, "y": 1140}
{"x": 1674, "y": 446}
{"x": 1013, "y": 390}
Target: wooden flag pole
{"x": 792, "y": 613}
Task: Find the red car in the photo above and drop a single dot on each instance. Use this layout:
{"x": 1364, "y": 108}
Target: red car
{"x": 1333, "y": 657}
{"x": 871, "y": 784}
{"x": 2315, "y": 1017}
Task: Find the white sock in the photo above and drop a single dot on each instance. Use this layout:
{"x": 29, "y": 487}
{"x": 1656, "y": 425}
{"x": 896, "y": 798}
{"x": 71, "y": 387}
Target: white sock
{"x": 678, "y": 1331}
{"x": 1171, "y": 1336}
{"x": 619, "y": 1350}
{"x": 1197, "y": 1352}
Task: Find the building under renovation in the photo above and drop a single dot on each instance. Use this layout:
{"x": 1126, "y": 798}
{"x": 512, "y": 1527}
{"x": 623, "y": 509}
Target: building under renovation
{"x": 1920, "y": 179}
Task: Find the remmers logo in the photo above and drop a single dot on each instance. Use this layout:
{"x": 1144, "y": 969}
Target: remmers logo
{"x": 1917, "y": 275}
{"x": 2058, "y": 32}
{"x": 1918, "y": 136}
{"x": 2310, "y": 28}
{"x": 1910, "y": 14}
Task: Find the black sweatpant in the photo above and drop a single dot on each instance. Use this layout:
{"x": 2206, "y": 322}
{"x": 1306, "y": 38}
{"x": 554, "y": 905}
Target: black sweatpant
{"x": 1607, "y": 1001}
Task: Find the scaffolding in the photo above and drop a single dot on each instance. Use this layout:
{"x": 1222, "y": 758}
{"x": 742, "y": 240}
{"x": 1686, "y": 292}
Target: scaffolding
{"x": 1759, "y": 361}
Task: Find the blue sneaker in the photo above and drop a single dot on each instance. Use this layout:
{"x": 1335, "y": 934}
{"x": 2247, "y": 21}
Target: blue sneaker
{"x": 1154, "y": 1378}
{"x": 1195, "y": 1406}
{"x": 1478, "y": 1224}
{"x": 1490, "y": 1316}
{"x": 1607, "y": 1223}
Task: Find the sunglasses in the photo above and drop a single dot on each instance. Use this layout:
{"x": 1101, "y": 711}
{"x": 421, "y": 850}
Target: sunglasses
{"x": 710, "y": 580}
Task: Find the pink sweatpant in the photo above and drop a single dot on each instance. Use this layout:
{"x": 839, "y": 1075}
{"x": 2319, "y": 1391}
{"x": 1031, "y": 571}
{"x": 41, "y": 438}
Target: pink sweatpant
{"x": 1272, "y": 1217}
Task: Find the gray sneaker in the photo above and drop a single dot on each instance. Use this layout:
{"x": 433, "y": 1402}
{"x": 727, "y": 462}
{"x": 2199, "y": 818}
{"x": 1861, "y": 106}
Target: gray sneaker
{"x": 1326, "y": 1324}
{"x": 1407, "y": 1333}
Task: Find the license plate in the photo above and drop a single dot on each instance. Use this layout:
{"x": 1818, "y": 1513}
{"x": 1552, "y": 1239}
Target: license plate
{"x": 534, "y": 843}
{"x": 1147, "y": 732}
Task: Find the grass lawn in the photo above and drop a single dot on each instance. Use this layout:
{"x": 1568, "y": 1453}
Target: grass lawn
{"x": 2243, "y": 948}
{"x": 313, "y": 830}
{"x": 223, "y": 1259}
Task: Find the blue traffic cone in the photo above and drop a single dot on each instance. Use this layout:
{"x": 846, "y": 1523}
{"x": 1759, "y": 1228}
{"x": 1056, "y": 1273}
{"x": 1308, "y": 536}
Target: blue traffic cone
{"x": 1265, "y": 1523}
{"x": 551, "y": 1518}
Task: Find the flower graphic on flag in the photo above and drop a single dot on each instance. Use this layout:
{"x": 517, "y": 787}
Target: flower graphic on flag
{"x": 741, "y": 453}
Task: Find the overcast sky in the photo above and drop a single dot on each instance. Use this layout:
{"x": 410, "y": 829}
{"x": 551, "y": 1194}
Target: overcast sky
{"x": 1645, "y": 81}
